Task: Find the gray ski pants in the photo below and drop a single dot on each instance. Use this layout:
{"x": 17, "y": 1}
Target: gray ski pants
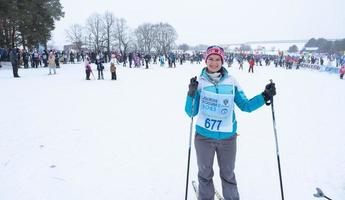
{"x": 226, "y": 156}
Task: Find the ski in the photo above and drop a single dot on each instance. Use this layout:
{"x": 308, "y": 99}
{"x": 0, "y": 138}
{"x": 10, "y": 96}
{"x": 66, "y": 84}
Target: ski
{"x": 320, "y": 194}
{"x": 195, "y": 187}
{"x": 218, "y": 196}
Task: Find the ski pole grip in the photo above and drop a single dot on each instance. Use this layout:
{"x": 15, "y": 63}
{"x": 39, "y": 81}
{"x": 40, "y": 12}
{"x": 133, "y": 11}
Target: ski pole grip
{"x": 271, "y": 99}
{"x": 269, "y": 102}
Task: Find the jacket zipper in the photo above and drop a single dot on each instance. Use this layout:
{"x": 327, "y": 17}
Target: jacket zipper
{"x": 217, "y": 92}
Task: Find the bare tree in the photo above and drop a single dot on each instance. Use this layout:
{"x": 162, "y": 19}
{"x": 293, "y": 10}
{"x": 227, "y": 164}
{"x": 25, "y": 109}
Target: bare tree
{"x": 145, "y": 35}
{"x": 122, "y": 34}
{"x": 95, "y": 27}
{"x": 165, "y": 37}
{"x": 75, "y": 35}
{"x": 109, "y": 21}
{"x": 184, "y": 47}
{"x": 200, "y": 47}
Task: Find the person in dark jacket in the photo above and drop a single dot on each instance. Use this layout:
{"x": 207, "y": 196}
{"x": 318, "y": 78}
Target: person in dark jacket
{"x": 100, "y": 67}
{"x": 2, "y": 51}
{"x": 57, "y": 60}
{"x": 45, "y": 58}
{"x": 36, "y": 59}
{"x": 26, "y": 59}
{"x": 71, "y": 57}
{"x": 14, "y": 57}
{"x": 124, "y": 59}
{"x": 130, "y": 59}
{"x": 172, "y": 60}
{"x": 147, "y": 58}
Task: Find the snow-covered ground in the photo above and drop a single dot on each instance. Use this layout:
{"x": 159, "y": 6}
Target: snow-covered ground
{"x": 62, "y": 137}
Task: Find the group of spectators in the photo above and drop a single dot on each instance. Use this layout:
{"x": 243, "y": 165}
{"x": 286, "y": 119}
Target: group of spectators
{"x": 52, "y": 59}
{"x": 287, "y": 61}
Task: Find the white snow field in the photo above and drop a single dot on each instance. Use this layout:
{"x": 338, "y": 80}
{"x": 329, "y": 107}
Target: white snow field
{"x": 65, "y": 138}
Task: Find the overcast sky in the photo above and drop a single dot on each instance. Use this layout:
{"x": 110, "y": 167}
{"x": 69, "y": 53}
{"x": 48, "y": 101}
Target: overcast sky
{"x": 218, "y": 21}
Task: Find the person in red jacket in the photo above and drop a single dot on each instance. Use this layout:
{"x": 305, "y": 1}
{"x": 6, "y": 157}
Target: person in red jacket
{"x": 251, "y": 65}
{"x": 342, "y": 71}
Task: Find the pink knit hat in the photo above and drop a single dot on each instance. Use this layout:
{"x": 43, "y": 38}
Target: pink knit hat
{"x": 216, "y": 50}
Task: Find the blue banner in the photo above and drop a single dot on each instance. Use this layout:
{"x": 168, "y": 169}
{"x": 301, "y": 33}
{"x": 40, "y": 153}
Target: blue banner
{"x": 329, "y": 69}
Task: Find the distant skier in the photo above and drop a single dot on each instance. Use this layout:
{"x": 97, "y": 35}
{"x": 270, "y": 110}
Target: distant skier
{"x": 71, "y": 57}
{"x": 57, "y": 59}
{"x": 0, "y": 56}
{"x": 88, "y": 69}
{"x": 100, "y": 66}
{"x": 45, "y": 58}
{"x": 26, "y": 59}
{"x": 51, "y": 63}
{"x": 130, "y": 59}
{"x": 172, "y": 60}
{"x": 14, "y": 58}
{"x": 147, "y": 58}
{"x": 240, "y": 62}
{"x": 251, "y": 65}
{"x": 113, "y": 67}
{"x": 321, "y": 61}
{"x": 155, "y": 59}
{"x": 342, "y": 71}
{"x": 161, "y": 60}
{"x": 35, "y": 59}
{"x": 230, "y": 60}
{"x": 124, "y": 59}
{"x": 136, "y": 59}
{"x": 215, "y": 94}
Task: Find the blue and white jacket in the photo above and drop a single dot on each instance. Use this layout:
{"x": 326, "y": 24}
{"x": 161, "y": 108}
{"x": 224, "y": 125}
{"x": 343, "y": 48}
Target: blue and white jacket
{"x": 227, "y": 90}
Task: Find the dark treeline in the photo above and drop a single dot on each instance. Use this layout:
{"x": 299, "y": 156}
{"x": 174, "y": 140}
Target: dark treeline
{"x": 322, "y": 45}
{"x": 327, "y": 46}
{"x": 27, "y": 23}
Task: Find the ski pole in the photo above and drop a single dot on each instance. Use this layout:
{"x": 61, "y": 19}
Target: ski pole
{"x": 277, "y": 148}
{"x": 189, "y": 149}
{"x": 319, "y": 194}
{"x": 93, "y": 75}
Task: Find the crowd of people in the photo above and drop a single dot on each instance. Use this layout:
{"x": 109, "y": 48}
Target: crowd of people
{"x": 52, "y": 59}
{"x": 286, "y": 61}
{"x": 134, "y": 60}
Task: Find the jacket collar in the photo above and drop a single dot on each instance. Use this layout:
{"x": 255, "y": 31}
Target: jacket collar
{"x": 223, "y": 71}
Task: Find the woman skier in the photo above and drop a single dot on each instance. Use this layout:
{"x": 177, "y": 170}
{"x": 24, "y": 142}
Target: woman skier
{"x": 213, "y": 97}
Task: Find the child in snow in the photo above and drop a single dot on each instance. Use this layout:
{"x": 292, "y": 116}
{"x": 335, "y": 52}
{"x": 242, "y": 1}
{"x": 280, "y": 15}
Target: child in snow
{"x": 113, "y": 67}
{"x": 213, "y": 97}
{"x": 51, "y": 63}
{"x": 342, "y": 71}
{"x": 88, "y": 69}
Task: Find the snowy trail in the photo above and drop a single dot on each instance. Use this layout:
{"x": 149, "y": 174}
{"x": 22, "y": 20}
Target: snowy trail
{"x": 62, "y": 137}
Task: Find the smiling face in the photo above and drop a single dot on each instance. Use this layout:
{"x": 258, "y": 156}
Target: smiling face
{"x": 214, "y": 63}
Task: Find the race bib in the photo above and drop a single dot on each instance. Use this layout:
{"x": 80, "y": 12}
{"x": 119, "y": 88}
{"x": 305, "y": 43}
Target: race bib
{"x": 215, "y": 111}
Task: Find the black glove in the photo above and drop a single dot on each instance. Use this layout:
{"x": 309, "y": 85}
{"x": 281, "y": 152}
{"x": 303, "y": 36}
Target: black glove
{"x": 270, "y": 91}
{"x": 193, "y": 87}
